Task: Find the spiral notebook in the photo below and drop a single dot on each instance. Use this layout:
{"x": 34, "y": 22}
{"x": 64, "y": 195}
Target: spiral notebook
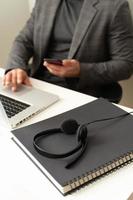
{"x": 110, "y": 145}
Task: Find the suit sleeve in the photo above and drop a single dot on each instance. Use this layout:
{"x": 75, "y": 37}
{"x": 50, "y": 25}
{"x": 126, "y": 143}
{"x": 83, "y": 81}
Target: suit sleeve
{"x": 120, "y": 64}
{"x": 22, "y": 48}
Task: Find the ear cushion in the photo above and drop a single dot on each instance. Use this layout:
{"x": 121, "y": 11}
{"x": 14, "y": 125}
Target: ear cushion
{"x": 69, "y": 126}
{"x": 82, "y": 133}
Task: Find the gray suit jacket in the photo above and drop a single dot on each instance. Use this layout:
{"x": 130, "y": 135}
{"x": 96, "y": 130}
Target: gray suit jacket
{"x": 102, "y": 41}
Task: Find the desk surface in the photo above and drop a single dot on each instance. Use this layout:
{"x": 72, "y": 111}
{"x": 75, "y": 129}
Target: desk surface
{"x": 21, "y": 180}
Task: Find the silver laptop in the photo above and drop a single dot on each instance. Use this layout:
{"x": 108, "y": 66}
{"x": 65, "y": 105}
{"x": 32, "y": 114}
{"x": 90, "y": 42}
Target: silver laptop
{"x": 25, "y": 103}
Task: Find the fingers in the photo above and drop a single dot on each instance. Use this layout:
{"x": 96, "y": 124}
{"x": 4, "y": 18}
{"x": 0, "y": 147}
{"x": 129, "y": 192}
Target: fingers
{"x": 69, "y": 62}
{"x": 7, "y": 79}
{"x": 19, "y": 77}
{"x": 14, "y": 81}
{"x": 51, "y": 67}
{"x": 55, "y": 69}
{"x": 15, "y": 78}
{"x": 27, "y": 82}
{"x": 70, "y": 68}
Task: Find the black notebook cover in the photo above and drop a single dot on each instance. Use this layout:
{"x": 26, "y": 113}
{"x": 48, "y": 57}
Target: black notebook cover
{"x": 110, "y": 144}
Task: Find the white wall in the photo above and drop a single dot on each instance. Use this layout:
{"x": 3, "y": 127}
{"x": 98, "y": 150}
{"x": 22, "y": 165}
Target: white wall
{"x": 127, "y": 99}
{"x": 31, "y": 4}
{"x": 13, "y": 14}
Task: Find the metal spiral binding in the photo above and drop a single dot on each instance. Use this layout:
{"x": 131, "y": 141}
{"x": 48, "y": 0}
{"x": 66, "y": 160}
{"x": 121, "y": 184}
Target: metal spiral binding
{"x": 89, "y": 177}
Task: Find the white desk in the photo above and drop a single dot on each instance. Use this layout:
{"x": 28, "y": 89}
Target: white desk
{"x": 21, "y": 180}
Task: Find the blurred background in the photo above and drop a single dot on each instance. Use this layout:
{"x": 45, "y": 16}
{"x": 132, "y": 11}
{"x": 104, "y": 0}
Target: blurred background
{"x": 14, "y": 14}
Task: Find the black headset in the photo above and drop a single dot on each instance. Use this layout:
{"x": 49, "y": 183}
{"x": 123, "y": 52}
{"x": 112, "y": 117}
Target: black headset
{"x": 68, "y": 127}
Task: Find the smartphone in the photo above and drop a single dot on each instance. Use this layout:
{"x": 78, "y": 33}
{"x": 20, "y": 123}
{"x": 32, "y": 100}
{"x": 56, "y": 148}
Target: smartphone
{"x": 53, "y": 61}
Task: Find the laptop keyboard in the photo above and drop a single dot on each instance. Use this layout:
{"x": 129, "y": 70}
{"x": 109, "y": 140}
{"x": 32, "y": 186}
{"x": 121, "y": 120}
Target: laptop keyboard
{"x": 11, "y": 106}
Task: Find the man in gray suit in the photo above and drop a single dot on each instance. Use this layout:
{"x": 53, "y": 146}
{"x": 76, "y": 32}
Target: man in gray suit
{"x": 93, "y": 38}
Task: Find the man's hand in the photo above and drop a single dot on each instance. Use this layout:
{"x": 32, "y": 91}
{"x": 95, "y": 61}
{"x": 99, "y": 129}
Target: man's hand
{"x": 15, "y": 78}
{"x": 69, "y": 68}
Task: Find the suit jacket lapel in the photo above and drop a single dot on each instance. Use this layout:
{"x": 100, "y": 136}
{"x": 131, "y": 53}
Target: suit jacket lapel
{"x": 50, "y": 8}
{"x": 88, "y": 12}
